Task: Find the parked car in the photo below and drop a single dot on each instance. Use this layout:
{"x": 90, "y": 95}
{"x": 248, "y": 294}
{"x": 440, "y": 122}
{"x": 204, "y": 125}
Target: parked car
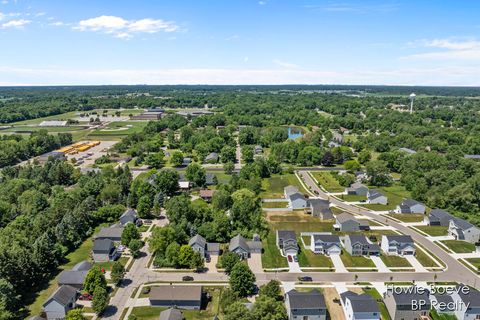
{"x": 86, "y": 297}
{"x": 187, "y": 278}
{"x": 120, "y": 248}
{"x": 305, "y": 279}
{"x": 295, "y": 258}
{"x": 290, "y": 259}
{"x": 147, "y": 221}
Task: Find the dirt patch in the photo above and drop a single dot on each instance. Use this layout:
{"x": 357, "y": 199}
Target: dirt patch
{"x": 335, "y": 309}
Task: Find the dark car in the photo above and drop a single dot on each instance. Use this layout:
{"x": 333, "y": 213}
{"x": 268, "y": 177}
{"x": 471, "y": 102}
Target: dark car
{"x": 187, "y": 278}
{"x": 305, "y": 279}
{"x": 290, "y": 259}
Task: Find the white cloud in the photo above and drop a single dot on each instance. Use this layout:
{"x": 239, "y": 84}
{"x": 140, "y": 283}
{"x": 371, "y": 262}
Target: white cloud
{"x": 285, "y": 64}
{"x": 2, "y": 16}
{"x": 57, "y": 24}
{"x": 124, "y": 29}
{"x": 448, "y": 49}
{"x": 245, "y": 59}
{"x": 20, "y": 23}
{"x": 262, "y": 3}
{"x": 4, "y": 2}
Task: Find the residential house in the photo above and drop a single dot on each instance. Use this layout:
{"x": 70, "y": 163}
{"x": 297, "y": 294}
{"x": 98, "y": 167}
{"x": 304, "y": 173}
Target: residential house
{"x": 244, "y": 248}
{"x": 359, "y": 245}
{"x": 439, "y": 217}
{"x": 305, "y": 305}
{"x": 327, "y": 244}
{"x": 470, "y": 308}
{"x": 337, "y": 137}
{"x": 407, "y": 304}
{"x": 345, "y": 222}
{"x": 129, "y": 216}
{"x": 376, "y": 197}
{"x": 359, "y": 306}
{"x": 407, "y": 150}
{"x": 210, "y": 179}
{"x": 171, "y": 314}
{"x": 183, "y": 297}
{"x": 207, "y": 194}
{"x": 211, "y": 158}
{"x": 104, "y": 250}
{"x": 441, "y": 303}
{"x": 296, "y": 200}
{"x": 76, "y": 276}
{"x": 464, "y": 230}
{"x": 287, "y": 242}
{"x": 186, "y": 161}
{"x": 410, "y": 206}
{"x": 319, "y": 208}
{"x": 401, "y": 245}
{"x": 60, "y": 302}
{"x": 113, "y": 233}
{"x": 200, "y": 245}
{"x": 472, "y": 156}
{"x": 258, "y": 149}
{"x": 184, "y": 185}
{"x": 358, "y": 189}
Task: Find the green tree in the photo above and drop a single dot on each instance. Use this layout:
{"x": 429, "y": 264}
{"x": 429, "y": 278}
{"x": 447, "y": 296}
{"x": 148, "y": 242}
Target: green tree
{"x": 109, "y": 213}
{"x": 247, "y": 154}
{"x": 135, "y": 245}
{"x": 129, "y": 233}
{"x": 100, "y": 300}
{"x": 227, "y": 298}
{"x": 144, "y": 207}
{"x": 221, "y": 200}
{"x": 229, "y": 260}
{"x": 238, "y": 311}
{"x": 160, "y": 239}
{"x": 228, "y": 154}
{"x": 364, "y": 156}
{"x": 155, "y": 160}
{"x": 118, "y": 271}
{"x": 351, "y": 165}
{"x": 196, "y": 173}
{"x": 269, "y": 309}
{"x": 94, "y": 279}
{"x": 172, "y": 253}
{"x": 185, "y": 256}
{"x": 378, "y": 173}
{"x": 75, "y": 314}
{"x": 176, "y": 159}
{"x": 242, "y": 280}
{"x": 228, "y": 167}
{"x": 271, "y": 289}
{"x": 167, "y": 182}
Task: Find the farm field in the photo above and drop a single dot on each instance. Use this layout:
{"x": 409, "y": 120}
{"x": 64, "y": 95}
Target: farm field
{"x": 117, "y": 130}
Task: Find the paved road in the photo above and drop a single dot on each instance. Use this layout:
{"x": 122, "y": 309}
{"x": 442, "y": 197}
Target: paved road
{"x": 455, "y": 270}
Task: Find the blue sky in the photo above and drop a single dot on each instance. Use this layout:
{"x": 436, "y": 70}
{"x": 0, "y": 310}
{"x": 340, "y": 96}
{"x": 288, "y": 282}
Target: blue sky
{"x": 239, "y": 42}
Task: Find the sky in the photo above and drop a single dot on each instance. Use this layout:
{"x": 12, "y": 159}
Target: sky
{"x": 59, "y": 42}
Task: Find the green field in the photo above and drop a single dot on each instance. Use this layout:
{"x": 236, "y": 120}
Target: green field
{"x": 424, "y": 259}
{"x": 356, "y": 262}
{"x": 435, "y": 316}
{"x": 273, "y": 187}
{"x": 277, "y": 204}
{"x": 475, "y": 262}
{"x": 407, "y": 217}
{"x": 434, "y": 231}
{"x": 118, "y": 129}
{"x": 298, "y": 222}
{"x": 327, "y": 181}
{"x": 459, "y": 246}
{"x": 395, "y": 194}
{"x": 352, "y": 197}
{"x": 271, "y": 257}
{"x": 306, "y": 258}
{"x": 395, "y": 261}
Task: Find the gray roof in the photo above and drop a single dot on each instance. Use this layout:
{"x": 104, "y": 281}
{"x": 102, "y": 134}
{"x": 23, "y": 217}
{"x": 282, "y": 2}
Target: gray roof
{"x": 102, "y": 245}
{"x": 472, "y": 156}
{"x": 410, "y": 202}
{"x": 440, "y": 214}
{"x": 360, "y": 302}
{"x": 322, "y": 206}
{"x": 354, "y": 238}
{"x": 407, "y": 150}
{"x": 176, "y": 293}
{"x": 209, "y": 178}
{"x": 407, "y": 296}
{"x": 399, "y": 238}
{"x": 212, "y": 156}
{"x": 254, "y": 245}
{"x": 72, "y": 277}
{"x": 306, "y": 300}
{"x": 238, "y": 242}
{"x": 171, "y": 314}
{"x": 374, "y": 193}
{"x": 357, "y": 185}
{"x": 213, "y": 247}
{"x": 130, "y": 215}
{"x": 462, "y": 224}
{"x": 326, "y": 238}
{"x": 110, "y": 232}
{"x": 82, "y": 266}
{"x": 197, "y": 239}
{"x": 63, "y": 295}
{"x": 289, "y": 190}
{"x": 472, "y": 297}
{"x": 343, "y": 217}
{"x": 286, "y": 235}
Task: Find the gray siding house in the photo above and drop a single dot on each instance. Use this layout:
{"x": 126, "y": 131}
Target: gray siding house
{"x": 60, "y": 302}
{"x": 464, "y": 230}
{"x": 401, "y": 245}
{"x": 358, "y": 189}
{"x": 200, "y": 245}
{"x": 305, "y": 305}
{"x": 327, "y": 244}
{"x": 76, "y": 276}
{"x": 401, "y": 305}
{"x": 182, "y": 297}
{"x": 113, "y": 233}
{"x": 358, "y": 245}
{"x": 470, "y": 298}
{"x": 439, "y": 217}
{"x": 359, "y": 306}
{"x": 244, "y": 248}
{"x": 319, "y": 208}
{"x": 104, "y": 250}
{"x": 410, "y": 206}
{"x": 287, "y": 242}
{"x": 347, "y": 223}
{"x": 296, "y": 200}
{"x": 376, "y": 197}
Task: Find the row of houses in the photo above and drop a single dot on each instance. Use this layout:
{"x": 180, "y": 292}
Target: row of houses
{"x": 238, "y": 244}
{"x": 458, "y": 228}
{"x": 373, "y": 196}
{"x": 316, "y": 207}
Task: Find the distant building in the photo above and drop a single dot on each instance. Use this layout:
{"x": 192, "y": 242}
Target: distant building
{"x": 376, "y": 197}
{"x": 358, "y": 189}
{"x": 439, "y": 217}
{"x": 359, "y": 306}
{"x": 210, "y": 179}
{"x": 211, "y": 158}
{"x": 207, "y": 194}
{"x": 53, "y": 123}
{"x": 60, "y": 302}
{"x": 319, "y": 208}
{"x": 55, "y": 155}
{"x": 195, "y": 113}
{"x": 404, "y": 305}
{"x": 151, "y": 114}
{"x": 183, "y": 297}
{"x": 410, "y": 206}
{"x": 472, "y": 156}
{"x": 358, "y": 245}
{"x": 345, "y": 222}
{"x": 327, "y": 244}
{"x": 407, "y": 150}
{"x": 401, "y": 245}
{"x": 296, "y": 200}
{"x": 258, "y": 149}
{"x": 305, "y": 305}
{"x": 129, "y": 216}
{"x": 287, "y": 242}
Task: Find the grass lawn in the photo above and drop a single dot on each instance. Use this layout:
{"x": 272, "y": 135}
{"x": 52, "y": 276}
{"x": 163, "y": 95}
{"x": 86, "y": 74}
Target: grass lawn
{"x": 475, "y": 262}
{"x": 222, "y": 177}
{"x": 383, "y": 309}
{"x": 356, "y": 262}
{"x": 108, "y": 265}
{"x": 278, "y": 204}
{"x": 395, "y": 194}
{"x": 435, "y": 316}
{"x": 271, "y": 257}
{"x": 143, "y": 228}
{"x": 297, "y": 221}
{"x": 406, "y": 217}
{"x": 147, "y": 312}
{"x": 424, "y": 259}
{"x": 434, "y": 231}
{"x": 327, "y": 181}
{"x": 459, "y": 246}
{"x": 395, "y": 261}
{"x": 307, "y": 258}
{"x": 352, "y": 197}
{"x": 273, "y": 186}
{"x": 118, "y": 129}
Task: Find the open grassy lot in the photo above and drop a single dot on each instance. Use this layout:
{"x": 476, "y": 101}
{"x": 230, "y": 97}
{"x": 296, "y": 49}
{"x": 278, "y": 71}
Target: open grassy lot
{"x": 395, "y": 261}
{"x": 49, "y": 129}
{"x": 327, "y": 181}
{"x": 278, "y": 204}
{"x": 434, "y": 231}
{"x": 297, "y": 221}
{"x": 222, "y": 177}
{"x": 475, "y": 262}
{"x": 377, "y": 296}
{"x": 108, "y": 265}
{"x": 147, "y": 312}
{"x": 62, "y": 116}
{"x": 424, "y": 259}
{"x": 118, "y": 129}
{"x": 395, "y": 194}
{"x": 356, "y": 262}
{"x": 307, "y": 258}
{"x": 459, "y": 246}
{"x": 406, "y": 217}
{"x": 273, "y": 186}
{"x": 352, "y": 197}
{"x": 271, "y": 257}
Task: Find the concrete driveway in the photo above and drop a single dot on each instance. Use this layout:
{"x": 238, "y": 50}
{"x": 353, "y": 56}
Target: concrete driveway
{"x": 255, "y": 262}
{"x": 415, "y": 264}
{"x": 294, "y": 267}
{"x": 212, "y": 265}
{"x": 338, "y": 263}
{"x": 379, "y": 264}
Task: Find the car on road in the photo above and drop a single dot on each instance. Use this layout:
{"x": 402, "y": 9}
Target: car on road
{"x": 305, "y": 279}
{"x": 295, "y": 258}
{"x": 290, "y": 259}
{"x": 187, "y": 278}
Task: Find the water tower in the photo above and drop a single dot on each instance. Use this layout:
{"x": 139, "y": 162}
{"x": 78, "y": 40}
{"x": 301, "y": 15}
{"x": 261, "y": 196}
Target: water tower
{"x": 412, "y": 98}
